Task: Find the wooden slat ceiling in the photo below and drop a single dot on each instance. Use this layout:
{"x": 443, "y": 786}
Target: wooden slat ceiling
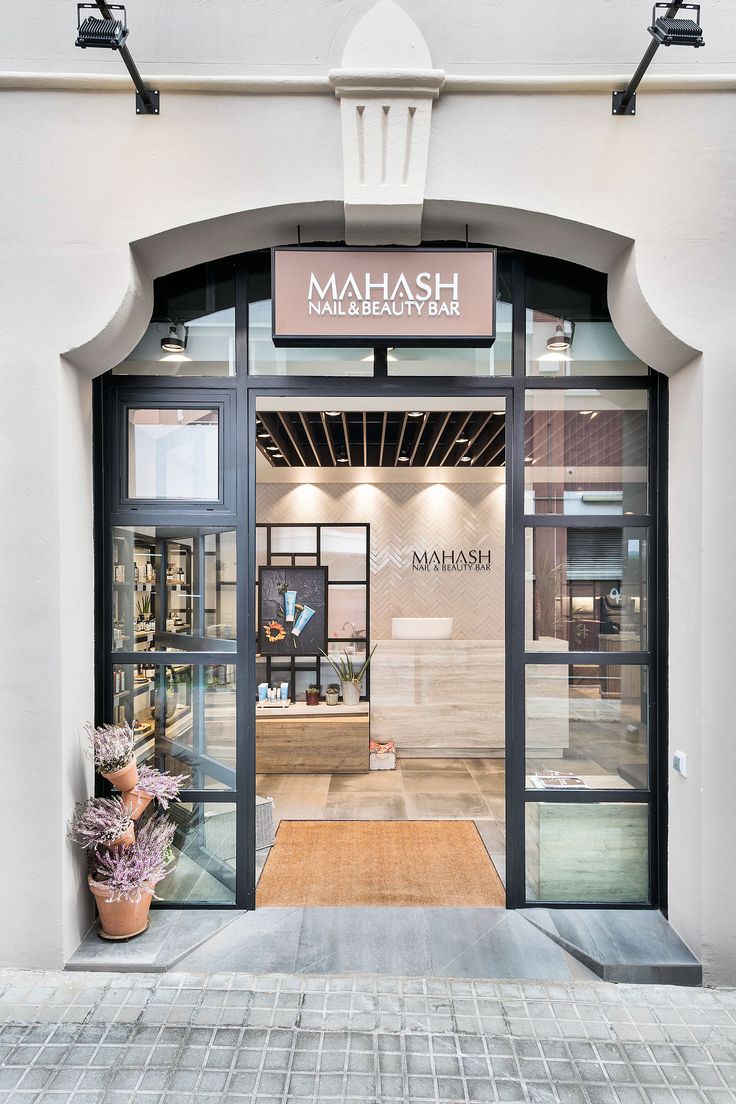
{"x": 388, "y": 439}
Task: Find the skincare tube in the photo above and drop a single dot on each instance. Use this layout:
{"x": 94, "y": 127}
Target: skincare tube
{"x": 302, "y": 620}
{"x": 284, "y": 691}
{"x": 290, "y": 604}
{"x": 262, "y": 691}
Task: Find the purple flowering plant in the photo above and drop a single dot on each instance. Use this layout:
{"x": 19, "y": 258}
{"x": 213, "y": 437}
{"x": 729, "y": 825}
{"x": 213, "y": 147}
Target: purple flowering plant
{"x": 160, "y": 785}
{"x": 111, "y": 746}
{"x": 99, "y": 821}
{"x": 128, "y": 872}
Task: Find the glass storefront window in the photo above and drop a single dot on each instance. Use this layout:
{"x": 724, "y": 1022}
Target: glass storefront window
{"x": 585, "y": 452}
{"x": 569, "y": 331}
{"x": 586, "y": 589}
{"x": 174, "y": 454}
{"x": 173, "y": 589}
{"x": 585, "y": 348}
{"x": 183, "y": 717}
{"x": 265, "y": 359}
{"x": 589, "y": 853}
{"x": 586, "y": 726}
{"x": 204, "y": 854}
{"x": 200, "y": 304}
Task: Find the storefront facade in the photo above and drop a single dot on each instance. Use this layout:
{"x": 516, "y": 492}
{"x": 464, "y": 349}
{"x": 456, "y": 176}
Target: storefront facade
{"x": 376, "y": 145}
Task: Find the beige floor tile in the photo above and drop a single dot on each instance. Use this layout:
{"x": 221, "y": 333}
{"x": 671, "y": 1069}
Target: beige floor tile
{"x": 466, "y": 806}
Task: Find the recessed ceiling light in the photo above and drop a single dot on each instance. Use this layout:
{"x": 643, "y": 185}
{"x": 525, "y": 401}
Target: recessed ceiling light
{"x": 333, "y": 413}
{"x": 416, "y": 413}
{"x": 465, "y": 459}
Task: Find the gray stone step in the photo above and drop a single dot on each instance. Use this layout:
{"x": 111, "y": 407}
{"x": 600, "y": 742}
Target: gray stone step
{"x": 625, "y": 945}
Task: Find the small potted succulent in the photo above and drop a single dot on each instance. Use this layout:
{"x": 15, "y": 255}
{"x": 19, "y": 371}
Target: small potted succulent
{"x": 153, "y": 785}
{"x": 102, "y": 822}
{"x": 313, "y": 695}
{"x": 350, "y": 676}
{"x": 332, "y": 695}
{"x": 124, "y": 879}
{"x": 112, "y": 751}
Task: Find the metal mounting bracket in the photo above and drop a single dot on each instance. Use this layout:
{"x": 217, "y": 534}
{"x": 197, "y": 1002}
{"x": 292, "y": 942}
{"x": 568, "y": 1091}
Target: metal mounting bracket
{"x": 151, "y": 108}
{"x": 617, "y": 100}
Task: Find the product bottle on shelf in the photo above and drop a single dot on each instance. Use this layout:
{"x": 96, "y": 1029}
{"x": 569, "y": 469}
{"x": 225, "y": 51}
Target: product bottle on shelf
{"x": 135, "y": 571}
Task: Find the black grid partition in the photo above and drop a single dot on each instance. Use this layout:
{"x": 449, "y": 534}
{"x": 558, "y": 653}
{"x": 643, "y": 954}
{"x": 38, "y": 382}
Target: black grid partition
{"x": 315, "y": 668}
{"x": 535, "y": 286}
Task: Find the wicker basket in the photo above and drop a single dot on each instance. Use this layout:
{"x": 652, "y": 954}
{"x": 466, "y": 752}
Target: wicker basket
{"x": 264, "y": 822}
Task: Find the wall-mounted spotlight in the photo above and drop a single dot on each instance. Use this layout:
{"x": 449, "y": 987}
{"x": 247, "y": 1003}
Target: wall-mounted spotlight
{"x": 110, "y": 33}
{"x": 176, "y": 339}
{"x": 666, "y": 30}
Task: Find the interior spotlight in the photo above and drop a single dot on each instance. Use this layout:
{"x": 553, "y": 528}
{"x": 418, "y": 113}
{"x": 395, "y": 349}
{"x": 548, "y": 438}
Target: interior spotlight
{"x": 176, "y": 339}
{"x": 465, "y": 459}
{"x": 342, "y": 458}
{"x": 277, "y": 455}
{"x": 333, "y": 413}
{"x": 416, "y": 413}
{"x": 403, "y": 458}
{"x": 272, "y": 448}
{"x": 560, "y": 341}
{"x": 462, "y": 440}
{"x": 263, "y": 433}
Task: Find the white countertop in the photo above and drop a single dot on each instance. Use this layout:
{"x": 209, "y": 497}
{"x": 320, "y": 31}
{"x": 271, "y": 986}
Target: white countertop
{"x": 301, "y": 709}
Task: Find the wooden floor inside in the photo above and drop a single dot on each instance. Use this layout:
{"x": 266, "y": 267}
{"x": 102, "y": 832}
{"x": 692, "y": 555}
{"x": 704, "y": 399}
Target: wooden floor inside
{"x": 379, "y": 863}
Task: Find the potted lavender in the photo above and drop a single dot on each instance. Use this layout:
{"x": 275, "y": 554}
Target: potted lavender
{"x": 153, "y": 785}
{"x": 102, "y": 822}
{"x": 124, "y": 879}
{"x": 112, "y": 751}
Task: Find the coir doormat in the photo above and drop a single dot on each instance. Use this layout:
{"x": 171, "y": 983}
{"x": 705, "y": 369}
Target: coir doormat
{"x": 379, "y": 862}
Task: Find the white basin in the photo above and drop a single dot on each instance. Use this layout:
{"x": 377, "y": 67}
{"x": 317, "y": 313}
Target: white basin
{"x": 421, "y": 628}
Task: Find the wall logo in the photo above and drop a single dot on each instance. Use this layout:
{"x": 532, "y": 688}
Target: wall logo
{"x": 474, "y": 559}
{"x": 400, "y": 296}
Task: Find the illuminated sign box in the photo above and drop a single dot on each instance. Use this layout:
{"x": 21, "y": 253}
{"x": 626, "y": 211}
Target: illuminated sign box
{"x": 335, "y": 296}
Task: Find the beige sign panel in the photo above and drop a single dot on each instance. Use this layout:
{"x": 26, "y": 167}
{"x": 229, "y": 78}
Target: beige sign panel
{"x": 401, "y": 296}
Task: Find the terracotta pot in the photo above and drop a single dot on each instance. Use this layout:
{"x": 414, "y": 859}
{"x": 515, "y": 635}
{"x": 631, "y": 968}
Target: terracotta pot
{"x": 136, "y": 802}
{"x": 312, "y": 699}
{"x": 121, "y": 919}
{"x": 124, "y": 779}
{"x": 125, "y": 840}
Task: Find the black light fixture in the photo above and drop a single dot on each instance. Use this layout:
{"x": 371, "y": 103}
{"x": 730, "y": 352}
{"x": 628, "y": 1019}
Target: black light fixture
{"x": 403, "y": 457}
{"x": 677, "y": 32}
{"x": 341, "y": 457}
{"x": 109, "y": 31}
{"x": 176, "y": 339}
{"x": 666, "y": 30}
{"x": 560, "y": 341}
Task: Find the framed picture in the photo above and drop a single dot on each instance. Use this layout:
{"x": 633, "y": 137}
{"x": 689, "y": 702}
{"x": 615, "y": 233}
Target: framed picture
{"x": 292, "y": 610}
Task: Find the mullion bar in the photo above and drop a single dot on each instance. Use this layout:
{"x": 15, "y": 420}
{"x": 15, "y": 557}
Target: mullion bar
{"x": 174, "y": 659}
{"x": 580, "y": 521}
{"x": 582, "y": 659}
{"x": 627, "y": 796}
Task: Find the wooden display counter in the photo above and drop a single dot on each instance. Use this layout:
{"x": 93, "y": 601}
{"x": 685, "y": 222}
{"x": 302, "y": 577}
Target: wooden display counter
{"x": 313, "y": 739}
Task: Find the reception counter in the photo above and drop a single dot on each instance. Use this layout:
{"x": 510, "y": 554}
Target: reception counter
{"x": 312, "y": 739}
{"x": 446, "y": 698}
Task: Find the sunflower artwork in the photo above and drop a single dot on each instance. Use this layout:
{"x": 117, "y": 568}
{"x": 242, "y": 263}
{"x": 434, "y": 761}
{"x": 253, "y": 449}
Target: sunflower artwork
{"x": 292, "y": 610}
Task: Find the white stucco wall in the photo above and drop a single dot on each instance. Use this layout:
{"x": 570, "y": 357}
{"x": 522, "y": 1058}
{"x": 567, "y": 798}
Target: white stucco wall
{"x": 97, "y": 202}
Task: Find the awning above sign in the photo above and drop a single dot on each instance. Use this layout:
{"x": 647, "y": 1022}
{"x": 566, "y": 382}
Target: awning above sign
{"x": 339, "y": 296}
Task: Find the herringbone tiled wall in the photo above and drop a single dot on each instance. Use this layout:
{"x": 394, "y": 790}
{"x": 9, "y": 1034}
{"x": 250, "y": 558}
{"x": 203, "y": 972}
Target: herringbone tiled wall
{"x": 408, "y": 517}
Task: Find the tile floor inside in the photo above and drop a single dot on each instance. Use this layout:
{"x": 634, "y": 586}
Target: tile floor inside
{"x": 419, "y": 789}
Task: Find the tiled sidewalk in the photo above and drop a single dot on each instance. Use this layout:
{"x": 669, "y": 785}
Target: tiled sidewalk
{"x": 212, "y": 1038}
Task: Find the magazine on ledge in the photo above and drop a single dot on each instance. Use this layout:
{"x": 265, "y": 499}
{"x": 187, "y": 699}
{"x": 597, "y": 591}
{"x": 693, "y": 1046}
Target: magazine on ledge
{"x": 558, "y": 780}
